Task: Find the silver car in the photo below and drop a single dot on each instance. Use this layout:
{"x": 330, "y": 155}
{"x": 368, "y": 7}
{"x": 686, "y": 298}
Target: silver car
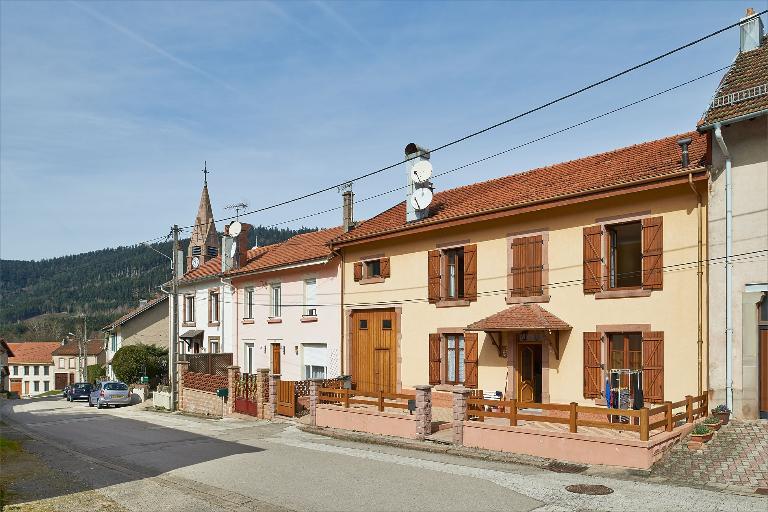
{"x": 109, "y": 393}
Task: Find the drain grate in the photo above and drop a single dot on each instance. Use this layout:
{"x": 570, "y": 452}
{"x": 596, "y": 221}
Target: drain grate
{"x": 592, "y": 490}
{"x": 564, "y": 467}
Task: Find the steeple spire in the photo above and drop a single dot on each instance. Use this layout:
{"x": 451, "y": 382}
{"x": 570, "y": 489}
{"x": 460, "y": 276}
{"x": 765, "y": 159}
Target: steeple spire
{"x": 204, "y": 244}
{"x": 205, "y": 172}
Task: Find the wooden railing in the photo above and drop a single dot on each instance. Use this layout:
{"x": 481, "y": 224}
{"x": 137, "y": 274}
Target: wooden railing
{"x": 639, "y": 419}
{"x": 347, "y": 397}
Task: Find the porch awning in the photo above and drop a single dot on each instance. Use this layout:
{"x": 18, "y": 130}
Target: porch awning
{"x": 192, "y": 333}
{"x": 521, "y": 317}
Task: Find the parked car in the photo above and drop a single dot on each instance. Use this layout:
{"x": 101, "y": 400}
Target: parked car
{"x": 79, "y": 391}
{"x": 109, "y": 393}
{"x": 65, "y": 392}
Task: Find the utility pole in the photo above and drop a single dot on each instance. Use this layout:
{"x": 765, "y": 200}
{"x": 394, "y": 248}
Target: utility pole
{"x": 173, "y": 342}
{"x": 82, "y": 350}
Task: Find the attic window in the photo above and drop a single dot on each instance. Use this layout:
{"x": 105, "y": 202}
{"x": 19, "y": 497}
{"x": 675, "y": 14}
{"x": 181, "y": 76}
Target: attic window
{"x": 373, "y": 268}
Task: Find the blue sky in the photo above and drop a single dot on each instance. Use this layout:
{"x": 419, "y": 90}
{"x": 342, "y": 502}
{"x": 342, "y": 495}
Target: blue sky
{"x": 108, "y": 109}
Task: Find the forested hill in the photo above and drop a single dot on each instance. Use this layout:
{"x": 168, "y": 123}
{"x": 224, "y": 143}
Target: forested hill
{"x": 41, "y": 299}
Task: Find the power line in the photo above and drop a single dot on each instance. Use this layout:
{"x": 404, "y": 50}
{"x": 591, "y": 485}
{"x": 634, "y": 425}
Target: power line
{"x": 505, "y": 121}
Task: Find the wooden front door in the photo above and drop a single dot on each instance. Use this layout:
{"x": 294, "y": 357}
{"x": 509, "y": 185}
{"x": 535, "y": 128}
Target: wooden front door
{"x": 276, "y": 359}
{"x": 763, "y": 372}
{"x": 16, "y": 386}
{"x": 373, "y": 353}
{"x": 26, "y": 387}
{"x": 61, "y": 380}
{"x": 529, "y": 372}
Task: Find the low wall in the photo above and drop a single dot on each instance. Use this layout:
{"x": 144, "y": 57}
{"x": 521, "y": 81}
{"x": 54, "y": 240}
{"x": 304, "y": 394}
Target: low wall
{"x": 367, "y": 420}
{"x": 571, "y": 447}
{"x": 201, "y": 402}
{"x": 161, "y": 399}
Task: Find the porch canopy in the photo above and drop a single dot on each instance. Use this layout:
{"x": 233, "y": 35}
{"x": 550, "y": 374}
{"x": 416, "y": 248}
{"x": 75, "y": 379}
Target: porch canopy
{"x": 522, "y": 317}
{"x": 193, "y": 333}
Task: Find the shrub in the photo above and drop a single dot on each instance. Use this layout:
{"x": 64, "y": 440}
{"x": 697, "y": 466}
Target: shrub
{"x": 701, "y": 430}
{"x": 131, "y": 362}
{"x": 95, "y": 371}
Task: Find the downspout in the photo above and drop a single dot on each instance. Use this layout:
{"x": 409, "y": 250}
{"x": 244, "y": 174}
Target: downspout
{"x": 699, "y": 288}
{"x": 341, "y": 315}
{"x": 728, "y": 268}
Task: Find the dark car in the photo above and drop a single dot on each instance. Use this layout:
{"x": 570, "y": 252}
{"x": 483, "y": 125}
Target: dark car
{"x": 79, "y": 391}
{"x": 65, "y": 392}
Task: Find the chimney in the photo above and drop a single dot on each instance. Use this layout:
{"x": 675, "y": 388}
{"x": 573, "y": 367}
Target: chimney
{"x": 750, "y": 31}
{"x": 230, "y": 260}
{"x": 241, "y": 256}
{"x": 683, "y": 143}
{"x": 414, "y": 154}
{"x": 348, "y": 220}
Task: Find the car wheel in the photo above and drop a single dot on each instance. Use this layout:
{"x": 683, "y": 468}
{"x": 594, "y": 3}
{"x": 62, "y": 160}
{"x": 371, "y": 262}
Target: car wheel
{"x": 99, "y": 405}
{"x": 90, "y": 404}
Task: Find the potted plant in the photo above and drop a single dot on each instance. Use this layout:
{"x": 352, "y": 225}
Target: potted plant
{"x": 701, "y": 433}
{"x": 723, "y": 413}
{"x": 713, "y": 422}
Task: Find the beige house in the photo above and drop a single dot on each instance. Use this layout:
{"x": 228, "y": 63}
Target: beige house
{"x": 68, "y": 365}
{"x": 540, "y": 286}
{"x": 148, "y": 324}
{"x": 31, "y": 367}
{"x": 737, "y": 121}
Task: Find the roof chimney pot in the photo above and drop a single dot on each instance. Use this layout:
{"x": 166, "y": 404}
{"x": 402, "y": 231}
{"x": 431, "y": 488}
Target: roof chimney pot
{"x": 348, "y": 221}
{"x": 750, "y": 31}
{"x": 683, "y": 143}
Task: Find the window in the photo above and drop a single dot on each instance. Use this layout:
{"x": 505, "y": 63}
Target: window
{"x": 46, "y": 385}
{"x": 71, "y": 362}
{"x": 763, "y": 317}
{"x": 275, "y": 301}
{"x": 363, "y": 324}
{"x": 113, "y": 342}
{"x": 625, "y": 255}
{"x": 189, "y": 308}
{"x": 249, "y": 357}
{"x": 37, "y": 370}
{"x": 213, "y": 307}
{"x": 625, "y": 351}
{"x": 248, "y": 312}
{"x": 373, "y": 268}
{"x": 452, "y": 275}
{"x": 26, "y": 370}
{"x": 454, "y": 372}
{"x": 315, "y": 360}
{"x": 212, "y": 251}
{"x": 310, "y": 297}
{"x": 386, "y": 324}
{"x": 15, "y": 370}
{"x": 37, "y": 385}
{"x": 197, "y": 250}
{"x": 526, "y": 266}
{"x": 214, "y": 345}
{"x": 314, "y": 372}
{"x": 61, "y": 362}
{"x": 46, "y": 370}
{"x": 454, "y": 271}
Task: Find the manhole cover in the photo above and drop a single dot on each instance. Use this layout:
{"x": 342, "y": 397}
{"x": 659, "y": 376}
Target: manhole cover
{"x": 593, "y": 490}
{"x": 564, "y": 467}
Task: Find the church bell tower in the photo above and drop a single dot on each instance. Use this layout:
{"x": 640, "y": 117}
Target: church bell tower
{"x": 204, "y": 245}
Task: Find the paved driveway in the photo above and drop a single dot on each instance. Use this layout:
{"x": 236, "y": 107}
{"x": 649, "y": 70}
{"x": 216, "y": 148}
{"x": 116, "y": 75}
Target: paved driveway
{"x": 152, "y": 461}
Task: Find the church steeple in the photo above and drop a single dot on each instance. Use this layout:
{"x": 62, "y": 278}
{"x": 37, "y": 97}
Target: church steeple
{"x": 204, "y": 245}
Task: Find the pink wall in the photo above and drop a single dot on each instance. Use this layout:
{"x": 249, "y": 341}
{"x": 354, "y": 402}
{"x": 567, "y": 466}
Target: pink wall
{"x": 367, "y": 420}
{"x": 291, "y": 332}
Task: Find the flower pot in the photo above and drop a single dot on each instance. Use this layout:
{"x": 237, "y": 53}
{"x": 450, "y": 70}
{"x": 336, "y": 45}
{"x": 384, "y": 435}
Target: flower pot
{"x": 714, "y": 426}
{"x": 702, "y": 438}
{"x": 723, "y": 417}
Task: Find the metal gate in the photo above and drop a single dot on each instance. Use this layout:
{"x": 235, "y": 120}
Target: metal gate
{"x": 286, "y": 398}
{"x": 245, "y": 395}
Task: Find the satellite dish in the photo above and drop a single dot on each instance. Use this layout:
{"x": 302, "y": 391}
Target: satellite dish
{"x": 235, "y": 228}
{"x": 421, "y": 171}
{"x": 233, "y": 251}
{"x": 421, "y": 198}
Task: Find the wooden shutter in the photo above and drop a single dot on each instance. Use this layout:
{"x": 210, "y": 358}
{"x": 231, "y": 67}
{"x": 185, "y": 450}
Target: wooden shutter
{"x": 358, "y": 270}
{"x": 470, "y": 359}
{"x": 653, "y": 366}
{"x": 384, "y": 262}
{"x": 470, "y": 272}
{"x": 593, "y": 382}
{"x": 593, "y": 261}
{"x": 518, "y": 267}
{"x": 653, "y": 253}
{"x": 433, "y": 279}
{"x": 535, "y": 266}
{"x": 434, "y": 358}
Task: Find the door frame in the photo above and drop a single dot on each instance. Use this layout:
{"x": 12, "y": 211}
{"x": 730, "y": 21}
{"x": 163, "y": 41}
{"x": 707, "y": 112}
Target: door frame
{"x": 513, "y": 342}
{"x": 520, "y": 348}
{"x": 346, "y": 345}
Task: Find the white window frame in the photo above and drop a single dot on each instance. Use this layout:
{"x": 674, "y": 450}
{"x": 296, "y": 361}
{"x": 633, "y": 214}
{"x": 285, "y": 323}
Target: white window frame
{"x": 213, "y": 306}
{"x": 61, "y": 363}
{"x": 275, "y": 300}
{"x": 248, "y": 349}
{"x": 71, "y": 363}
{"x": 189, "y": 308}
{"x": 248, "y": 303}
{"x": 310, "y": 297}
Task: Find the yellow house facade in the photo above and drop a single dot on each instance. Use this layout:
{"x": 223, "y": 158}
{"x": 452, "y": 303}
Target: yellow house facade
{"x": 543, "y": 286}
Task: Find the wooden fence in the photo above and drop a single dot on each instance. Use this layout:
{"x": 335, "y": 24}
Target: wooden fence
{"x": 569, "y": 414}
{"x": 214, "y": 364}
{"x": 347, "y": 397}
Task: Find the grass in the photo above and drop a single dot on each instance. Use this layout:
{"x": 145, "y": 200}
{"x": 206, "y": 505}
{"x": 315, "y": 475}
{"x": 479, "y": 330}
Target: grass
{"x": 8, "y": 446}
{"x": 52, "y": 392}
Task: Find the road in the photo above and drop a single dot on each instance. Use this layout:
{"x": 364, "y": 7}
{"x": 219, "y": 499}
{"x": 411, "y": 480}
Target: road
{"x": 145, "y": 461}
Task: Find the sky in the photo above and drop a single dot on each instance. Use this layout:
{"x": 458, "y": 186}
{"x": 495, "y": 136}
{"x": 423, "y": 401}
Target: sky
{"x": 108, "y": 110}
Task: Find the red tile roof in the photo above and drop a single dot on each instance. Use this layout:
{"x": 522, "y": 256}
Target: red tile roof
{"x": 33, "y": 352}
{"x": 136, "y": 312}
{"x": 297, "y": 249}
{"x": 654, "y": 160}
{"x": 521, "y": 316}
{"x": 72, "y": 348}
{"x": 746, "y": 76}
{"x": 208, "y": 270}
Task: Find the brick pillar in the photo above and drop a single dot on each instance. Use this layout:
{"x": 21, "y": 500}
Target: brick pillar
{"x": 262, "y": 384}
{"x": 423, "y": 411}
{"x": 314, "y": 385}
{"x": 460, "y": 396}
{"x": 182, "y": 367}
{"x": 274, "y": 382}
{"x": 233, "y": 372}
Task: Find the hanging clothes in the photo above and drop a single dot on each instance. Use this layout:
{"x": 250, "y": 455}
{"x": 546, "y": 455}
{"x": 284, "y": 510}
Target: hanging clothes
{"x": 637, "y": 391}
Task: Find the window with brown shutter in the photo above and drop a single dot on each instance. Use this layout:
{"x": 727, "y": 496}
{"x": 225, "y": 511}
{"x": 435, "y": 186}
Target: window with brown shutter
{"x": 470, "y": 359}
{"x": 434, "y": 358}
{"x": 384, "y": 267}
{"x": 653, "y": 366}
{"x": 433, "y": 273}
{"x": 653, "y": 253}
{"x": 358, "y": 270}
{"x": 452, "y": 275}
{"x": 593, "y": 384}
{"x": 470, "y": 272}
{"x": 527, "y": 266}
{"x": 593, "y": 261}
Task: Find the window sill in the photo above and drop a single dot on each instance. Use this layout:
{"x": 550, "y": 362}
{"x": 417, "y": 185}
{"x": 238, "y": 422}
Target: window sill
{"x": 213, "y": 324}
{"x": 527, "y": 300}
{"x": 308, "y": 319}
{"x": 188, "y": 324}
{"x": 372, "y": 280}
{"x": 452, "y": 303}
{"x": 248, "y": 320}
{"x": 448, "y": 388}
{"x": 274, "y": 320}
{"x": 623, "y": 294}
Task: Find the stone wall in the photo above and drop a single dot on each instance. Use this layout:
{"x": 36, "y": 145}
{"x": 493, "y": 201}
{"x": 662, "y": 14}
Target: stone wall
{"x": 202, "y": 402}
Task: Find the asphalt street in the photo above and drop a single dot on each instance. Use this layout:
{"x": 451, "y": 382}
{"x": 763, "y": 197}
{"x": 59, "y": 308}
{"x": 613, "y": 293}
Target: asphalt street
{"x": 147, "y": 461}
